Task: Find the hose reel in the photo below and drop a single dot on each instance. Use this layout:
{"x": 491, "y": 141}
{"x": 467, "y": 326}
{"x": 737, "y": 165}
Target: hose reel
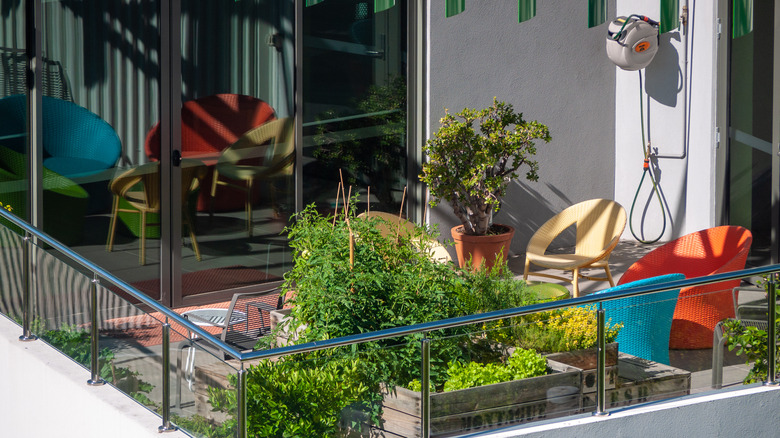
{"x": 632, "y": 41}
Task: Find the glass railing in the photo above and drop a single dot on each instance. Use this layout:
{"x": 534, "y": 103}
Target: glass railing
{"x": 466, "y": 375}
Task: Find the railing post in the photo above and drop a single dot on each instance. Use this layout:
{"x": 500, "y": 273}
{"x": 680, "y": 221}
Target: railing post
{"x": 425, "y": 391}
{"x": 26, "y": 286}
{"x": 95, "y": 380}
{"x": 241, "y": 401}
{"x": 166, "y": 380}
{"x": 601, "y": 363}
{"x": 771, "y": 350}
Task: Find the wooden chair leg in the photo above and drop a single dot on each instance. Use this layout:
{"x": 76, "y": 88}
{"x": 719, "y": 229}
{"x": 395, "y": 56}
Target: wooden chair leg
{"x": 249, "y": 206}
{"x": 214, "y": 184}
{"x": 142, "y": 256}
{"x": 609, "y": 276}
{"x": 527, "y": 269}
{"x": 192, "y": 237}
{"x": 112, "y": 226}
{"x": 576, "y": 283}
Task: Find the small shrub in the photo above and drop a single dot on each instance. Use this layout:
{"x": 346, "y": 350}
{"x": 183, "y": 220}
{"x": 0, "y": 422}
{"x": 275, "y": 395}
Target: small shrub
{"x": 520, "y": 365}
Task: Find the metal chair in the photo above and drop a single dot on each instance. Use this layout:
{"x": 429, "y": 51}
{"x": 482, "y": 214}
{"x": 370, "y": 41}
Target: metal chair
{"x": 599, "y": 224}
{"x": 243, "y": 323}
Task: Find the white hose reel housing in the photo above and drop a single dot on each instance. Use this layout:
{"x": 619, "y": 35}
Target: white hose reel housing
{"x": 633, "y": 47}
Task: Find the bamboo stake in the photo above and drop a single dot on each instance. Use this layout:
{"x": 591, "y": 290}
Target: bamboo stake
{"x": 368, "y": 201}
{"x": 400, "y": 216}
{"x": 336, "y": 210}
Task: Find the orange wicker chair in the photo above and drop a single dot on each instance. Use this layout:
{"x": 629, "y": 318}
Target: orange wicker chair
{"x": 706, "y": 252}
{"x": 599, "y": 224}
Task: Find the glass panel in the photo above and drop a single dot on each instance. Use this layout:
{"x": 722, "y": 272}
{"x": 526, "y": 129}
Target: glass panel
{"x": 12, "y": 277}
{"x": 750, "y": 131}
{"x": 237, "y": 143}
{"x": 202, "y": 382}
{"x": 354, "y": 103}
{"x": 101, "y": 95}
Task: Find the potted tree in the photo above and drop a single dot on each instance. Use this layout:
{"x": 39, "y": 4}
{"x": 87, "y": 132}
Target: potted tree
{"x": 470, "y": 169}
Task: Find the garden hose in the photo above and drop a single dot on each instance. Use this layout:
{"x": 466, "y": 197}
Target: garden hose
{"x": 646, "y": 151}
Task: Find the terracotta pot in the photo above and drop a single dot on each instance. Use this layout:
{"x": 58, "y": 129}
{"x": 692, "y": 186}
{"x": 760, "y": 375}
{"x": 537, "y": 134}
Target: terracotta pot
{"x": 481, "y": 248}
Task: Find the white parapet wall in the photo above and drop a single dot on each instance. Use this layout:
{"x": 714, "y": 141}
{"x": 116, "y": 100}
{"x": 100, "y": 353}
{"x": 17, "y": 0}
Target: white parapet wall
{"x": 747, "y": 411}
{"x": 45, "y": 394}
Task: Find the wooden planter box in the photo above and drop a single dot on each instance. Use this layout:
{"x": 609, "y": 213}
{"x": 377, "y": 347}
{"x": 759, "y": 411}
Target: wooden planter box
{"x": 585, "y": 360}
{"x": 486, "y": 407}
{"x": 570, "y": 390}
{"x": 641, "y": 381}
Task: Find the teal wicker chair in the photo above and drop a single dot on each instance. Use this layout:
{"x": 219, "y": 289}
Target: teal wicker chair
{"x": 647, "y": 319}
{"x": 77, "y": 143}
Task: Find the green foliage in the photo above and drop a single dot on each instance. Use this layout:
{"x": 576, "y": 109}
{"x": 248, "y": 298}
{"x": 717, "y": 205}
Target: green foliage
{"x": 373, "y": 158}
{"x": 296, "y": 398}
{"x": 752, "y": 342}
{"x": 392, "y": 283}
{"x": 520, "y": 365}
{"x": 572, "y": 328}
{"x": 471, "y": 169}
{"x": 75, "y": 343}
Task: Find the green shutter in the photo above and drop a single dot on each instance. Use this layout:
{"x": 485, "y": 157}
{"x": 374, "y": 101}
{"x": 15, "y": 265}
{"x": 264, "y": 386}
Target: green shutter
{"x": 670, "y": 15}
{"x": 382, "y": 5}
{"x": 313, "y": 2}
{"x": 597, "y": 12}
{"x": 742, "y": 18}
{"x": 526, "y": 10}
{"x": 454, "y": 7}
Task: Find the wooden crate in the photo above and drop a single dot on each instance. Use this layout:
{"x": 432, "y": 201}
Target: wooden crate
{"x": 485, "y": 407}
{"x": 586, "y": 360}
{"x": 642, "y": 381}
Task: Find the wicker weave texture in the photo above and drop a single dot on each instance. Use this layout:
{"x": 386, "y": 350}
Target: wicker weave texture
{"x": 647, "y": 319}
{"x": 706, "y": 252}
{"x": 210, "y": 125}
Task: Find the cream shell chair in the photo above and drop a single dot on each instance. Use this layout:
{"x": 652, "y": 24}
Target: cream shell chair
{"x": 144, "y": 198}
{"x": 263, "y": 153}
{"x": 397, "y": 225}
{"x": 599, "y": 224}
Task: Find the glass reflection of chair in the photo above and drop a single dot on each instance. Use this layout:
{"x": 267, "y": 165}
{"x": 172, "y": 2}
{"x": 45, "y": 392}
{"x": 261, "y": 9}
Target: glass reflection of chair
{"x": 140, "y": 188}
{"x": 265, "y": 153}
{"x": 243, "y": 323}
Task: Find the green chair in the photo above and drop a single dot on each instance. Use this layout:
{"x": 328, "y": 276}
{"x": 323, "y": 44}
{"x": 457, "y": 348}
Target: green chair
{"x": 64, "y": 201}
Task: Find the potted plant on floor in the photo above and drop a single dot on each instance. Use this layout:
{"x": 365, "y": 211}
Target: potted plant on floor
{"x": 470, "y": 169}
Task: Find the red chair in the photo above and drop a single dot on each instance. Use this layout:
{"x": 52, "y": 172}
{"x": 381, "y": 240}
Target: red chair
{"x": 208, "y": 126}
{"x": 706, "y": 252}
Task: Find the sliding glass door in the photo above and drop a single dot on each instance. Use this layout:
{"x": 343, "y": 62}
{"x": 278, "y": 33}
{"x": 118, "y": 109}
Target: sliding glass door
{"x": 354, "y": 76}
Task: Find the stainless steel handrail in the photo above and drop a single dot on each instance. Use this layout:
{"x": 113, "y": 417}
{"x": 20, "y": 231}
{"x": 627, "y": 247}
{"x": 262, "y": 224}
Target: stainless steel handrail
{"x": 505, "y": 313}
{"x": 135, "y": 293}
{"x": 423, "y": 328}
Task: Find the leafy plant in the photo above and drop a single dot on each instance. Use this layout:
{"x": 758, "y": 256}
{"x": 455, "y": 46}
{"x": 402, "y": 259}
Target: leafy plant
{"x": 75, "y": 343}
{"x": 520, "y": 365}
{"x": 372, "y": 159}
{"x": 752, "y": 342}
{"x": 554, "y": 331}
{"x": 295, "y": 398}
{"x": 471, "y": 169}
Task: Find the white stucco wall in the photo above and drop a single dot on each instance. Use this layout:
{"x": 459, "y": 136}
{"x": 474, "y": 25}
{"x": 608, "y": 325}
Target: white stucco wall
{"x": 45, "y": 394}
{"x": 554, "y": 70}
{"x": 747, "y": 412}
{"x": 687, "y": 182}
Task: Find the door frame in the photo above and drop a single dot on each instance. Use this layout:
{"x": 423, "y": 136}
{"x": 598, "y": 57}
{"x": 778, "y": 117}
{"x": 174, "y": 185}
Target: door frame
{"x": 722, "y": 137}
